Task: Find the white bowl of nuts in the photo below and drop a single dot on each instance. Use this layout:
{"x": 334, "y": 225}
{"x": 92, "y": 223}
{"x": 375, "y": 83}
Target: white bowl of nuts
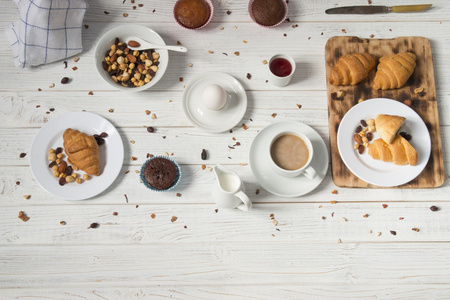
{"x": 129, "y": 70}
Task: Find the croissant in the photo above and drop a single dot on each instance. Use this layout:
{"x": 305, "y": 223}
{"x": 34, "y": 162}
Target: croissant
{"x": 388, "y": 126}
{"x": 82, "y": 151}
{"x": 352, "y": 69}
{"x": 393, "y": 71}
{"x": 400, "y": 152}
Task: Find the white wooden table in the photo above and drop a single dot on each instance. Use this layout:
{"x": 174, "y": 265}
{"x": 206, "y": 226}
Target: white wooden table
{"x": 207, "y": 254}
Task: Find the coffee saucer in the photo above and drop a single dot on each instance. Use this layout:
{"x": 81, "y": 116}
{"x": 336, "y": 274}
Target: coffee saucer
{"x": 280, "y": 185}
{"x": 214, "y": 121}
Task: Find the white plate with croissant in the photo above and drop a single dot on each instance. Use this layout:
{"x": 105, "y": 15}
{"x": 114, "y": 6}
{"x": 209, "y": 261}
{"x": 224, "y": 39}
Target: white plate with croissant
{"x": 100, "y": 163}
{"x": 389, "y": 158}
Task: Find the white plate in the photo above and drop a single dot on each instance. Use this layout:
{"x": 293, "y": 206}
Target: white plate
{"x": 378, "y": 172}
{"x": 123, "y": 33}
{"x": 51, "y": 136}
{"x": 214, "y": 121}
{"x": 280, "y": 185}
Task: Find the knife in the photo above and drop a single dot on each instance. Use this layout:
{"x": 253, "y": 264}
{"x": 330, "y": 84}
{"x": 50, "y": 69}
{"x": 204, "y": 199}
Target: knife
{"x": 377, "y": 9}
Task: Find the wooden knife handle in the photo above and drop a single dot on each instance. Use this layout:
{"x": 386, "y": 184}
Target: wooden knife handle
{"x": 410, "y": 8}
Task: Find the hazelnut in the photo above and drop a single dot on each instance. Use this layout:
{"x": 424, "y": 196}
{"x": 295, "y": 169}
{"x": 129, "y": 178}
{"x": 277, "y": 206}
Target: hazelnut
{"x": 70, "y": 179}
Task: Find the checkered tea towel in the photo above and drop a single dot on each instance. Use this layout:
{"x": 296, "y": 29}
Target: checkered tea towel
{"x": 48, "y": 30}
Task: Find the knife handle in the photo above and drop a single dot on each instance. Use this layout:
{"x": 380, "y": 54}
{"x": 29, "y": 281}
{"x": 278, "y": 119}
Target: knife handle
{"x": 409, "y": 8}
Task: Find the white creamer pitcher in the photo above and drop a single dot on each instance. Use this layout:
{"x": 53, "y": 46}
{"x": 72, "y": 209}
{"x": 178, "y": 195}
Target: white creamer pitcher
{"x": 229, "y": 191}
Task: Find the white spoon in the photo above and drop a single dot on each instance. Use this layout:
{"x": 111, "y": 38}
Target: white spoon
{"x": 144, "y": 45}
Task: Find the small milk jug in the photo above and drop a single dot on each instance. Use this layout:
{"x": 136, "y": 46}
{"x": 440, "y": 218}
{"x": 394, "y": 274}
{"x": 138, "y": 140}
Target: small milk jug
{"x": 229, "y": 190}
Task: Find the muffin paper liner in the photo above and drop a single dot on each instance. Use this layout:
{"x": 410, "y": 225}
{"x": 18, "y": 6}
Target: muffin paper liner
{"x": 147, "y": 185}
{"x": 211, "y": 10}
{"x": 253, "y": 18}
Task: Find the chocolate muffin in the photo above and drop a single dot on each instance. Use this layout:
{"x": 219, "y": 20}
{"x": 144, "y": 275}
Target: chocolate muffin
{"x": 192, "y": 13}
{"x": 160, "y": 173}
{"x": 268, "y": 12}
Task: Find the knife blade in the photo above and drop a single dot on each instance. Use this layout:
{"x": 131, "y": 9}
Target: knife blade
{"x": 377, "y": 9}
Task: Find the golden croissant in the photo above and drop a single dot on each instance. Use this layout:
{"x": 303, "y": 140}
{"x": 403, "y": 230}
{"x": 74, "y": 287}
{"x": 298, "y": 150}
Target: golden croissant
{"x": 400, "y": 151}
{"x": 352, "y": 69}
{"x": 389, "y": 126}
{"x": 394, "y": 70}
{"x": 82, "y": 151}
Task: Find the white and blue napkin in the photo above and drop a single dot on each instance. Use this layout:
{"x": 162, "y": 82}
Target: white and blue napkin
{"x": 48, "y": 30}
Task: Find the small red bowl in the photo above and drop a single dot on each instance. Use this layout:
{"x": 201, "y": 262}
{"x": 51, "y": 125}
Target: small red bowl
{"x": 250, "y": 3}
{"x": 211, "y": 11}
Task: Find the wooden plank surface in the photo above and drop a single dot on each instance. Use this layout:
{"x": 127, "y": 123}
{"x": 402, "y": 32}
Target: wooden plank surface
{"x": 426, "y": 106}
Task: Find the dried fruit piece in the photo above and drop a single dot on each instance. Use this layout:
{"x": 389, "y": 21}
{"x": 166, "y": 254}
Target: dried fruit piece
{"x": 434, "y": 208}
{"x": 363, "y": 123}
{"x": 415, "y": 229}
{"x": 94, "y": 225}
{"x": 384, "y": 205}
{"x": 358, "y": 129}
{"x": 393, "y": 232}
{"x": 408, "y": 102}
{"x": 369, "y": 136}
{"x": 361, "y": 149}
{"x": 173, "y": 219}
{"x": 65, "y": 80}
{"x": 204, "y": 154}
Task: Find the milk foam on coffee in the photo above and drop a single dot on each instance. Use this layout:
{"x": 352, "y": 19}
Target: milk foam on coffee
{"x": 289, "y": 152}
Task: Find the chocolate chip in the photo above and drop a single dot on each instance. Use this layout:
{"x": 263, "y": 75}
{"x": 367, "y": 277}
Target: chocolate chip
{"x": 434, "y": 208}
{"x": 204, "y": 154}
{"x": 150, "y": 129}
{"x": 22, "y": 155}
{"x": 65, "y": 80}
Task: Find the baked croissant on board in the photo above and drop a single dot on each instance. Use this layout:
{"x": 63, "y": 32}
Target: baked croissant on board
{"x": 352, "y": 69}
{"x": 389, "y": 126}
{"x": 82, "y": 151}
{"x": 394, "y": 70}
{"x": 400, "y": 151}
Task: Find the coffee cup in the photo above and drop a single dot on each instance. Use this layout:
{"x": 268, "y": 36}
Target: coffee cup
{"x": 281, "y": 69}
{"x": 290, "y": 154}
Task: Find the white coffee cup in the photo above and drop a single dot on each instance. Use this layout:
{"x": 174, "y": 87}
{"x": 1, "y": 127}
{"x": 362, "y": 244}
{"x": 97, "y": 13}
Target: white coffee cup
{"x": 306, "y": 169}
{"x": 281, "y": 80}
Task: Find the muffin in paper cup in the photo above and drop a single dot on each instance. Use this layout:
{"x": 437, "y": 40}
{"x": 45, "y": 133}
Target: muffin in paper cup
{"x": 211, "y": 13}
{"x": 250, "y": 12}
{"x": 175, "y": 182}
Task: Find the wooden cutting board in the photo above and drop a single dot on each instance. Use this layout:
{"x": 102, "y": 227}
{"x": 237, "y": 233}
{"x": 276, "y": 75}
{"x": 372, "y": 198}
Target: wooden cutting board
{"x": 426, "y": 106}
